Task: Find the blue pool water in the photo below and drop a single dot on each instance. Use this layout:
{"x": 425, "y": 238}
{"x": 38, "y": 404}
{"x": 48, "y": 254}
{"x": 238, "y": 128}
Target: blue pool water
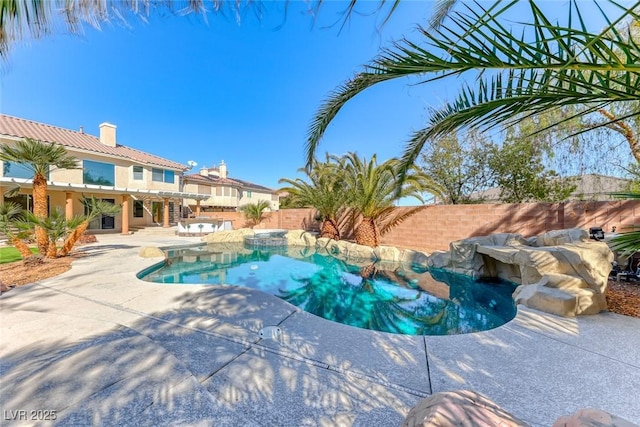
{"x": 395, "y": 298}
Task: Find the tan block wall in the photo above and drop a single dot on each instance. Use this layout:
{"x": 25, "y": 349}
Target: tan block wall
{"x": 434, "y": 227}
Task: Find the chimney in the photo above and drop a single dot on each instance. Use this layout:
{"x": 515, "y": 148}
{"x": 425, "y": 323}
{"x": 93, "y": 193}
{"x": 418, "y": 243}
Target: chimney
{"x": 204, "y": 171}
{"x": 81, "y": 129}
{"x": 223, "y": 169}
{"x": 108, "y": 134}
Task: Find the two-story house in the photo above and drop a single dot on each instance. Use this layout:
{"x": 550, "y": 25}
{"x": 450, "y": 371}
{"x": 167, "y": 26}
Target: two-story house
{"x": 147, "y": 187}
{"x": 225, "y": 194}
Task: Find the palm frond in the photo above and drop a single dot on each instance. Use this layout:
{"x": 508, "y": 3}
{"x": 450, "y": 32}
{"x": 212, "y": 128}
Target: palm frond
{"x": 396, "y": 220}
{"x": 38, "y": 156}
{"x": 24, "y": 19}
{"x": 628, "y": 241}
{"x": 547, "y": 67}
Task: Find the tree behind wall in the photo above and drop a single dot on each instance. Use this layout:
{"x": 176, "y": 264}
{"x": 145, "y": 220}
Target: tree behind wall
{"x": 458, "y": 163}
{"x": 521, "y": 175}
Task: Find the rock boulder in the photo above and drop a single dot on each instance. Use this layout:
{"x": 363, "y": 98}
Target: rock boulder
{"x": 228, "y": 236}
{"x": 300, "y": 238}
{"x": 457, "y": 409}
{"x": 151, "y": 252}
{"x": 592, "y": 418}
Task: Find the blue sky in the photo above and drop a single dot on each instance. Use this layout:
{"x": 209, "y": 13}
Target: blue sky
{"x": 243, "y": 93}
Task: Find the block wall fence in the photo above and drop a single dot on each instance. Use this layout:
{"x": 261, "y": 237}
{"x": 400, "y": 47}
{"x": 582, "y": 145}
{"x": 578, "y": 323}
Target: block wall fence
{"x": 434, "y": 227}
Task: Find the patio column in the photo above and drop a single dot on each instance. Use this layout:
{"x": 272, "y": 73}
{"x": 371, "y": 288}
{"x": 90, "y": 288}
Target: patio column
{"x": 198, "y": 207}
{"x": 68, "y": 206}
{"x": 165, "y": 212}
{"x": 125, "y": 214}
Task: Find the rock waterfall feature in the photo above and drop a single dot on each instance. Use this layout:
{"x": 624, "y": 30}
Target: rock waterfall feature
{"x": 561, "y": 272}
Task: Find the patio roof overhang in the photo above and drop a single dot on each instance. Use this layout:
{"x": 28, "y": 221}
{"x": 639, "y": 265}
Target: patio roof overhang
{"x": 63, "y": 186}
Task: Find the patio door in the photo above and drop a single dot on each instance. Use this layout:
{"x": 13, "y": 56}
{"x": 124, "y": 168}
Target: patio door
{"x": 103, "y": 222}
{"x": 108, "y": 222}
{"x": 157, "y": 209}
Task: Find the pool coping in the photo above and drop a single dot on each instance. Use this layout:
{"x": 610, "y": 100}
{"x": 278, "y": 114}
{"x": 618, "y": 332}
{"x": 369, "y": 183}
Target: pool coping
{"x": 82, "y": 324}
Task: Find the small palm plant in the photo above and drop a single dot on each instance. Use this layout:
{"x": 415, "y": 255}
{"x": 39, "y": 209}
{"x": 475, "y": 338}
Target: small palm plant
{"x": 57, "y": 227}
{"x": 94, "y": 207}
{"x": 254, "y": 212}
{"x": 11, "y": 217}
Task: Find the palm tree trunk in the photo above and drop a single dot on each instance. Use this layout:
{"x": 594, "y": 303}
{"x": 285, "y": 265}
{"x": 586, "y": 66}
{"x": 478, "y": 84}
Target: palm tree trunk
{"x": 72, "y": 239}
{"x": 41, "y": 211}
{"x": 330, "y": 229}
{"x": 22, "y": 247}
{"x": 367, "y": 233}
{"x": 52, "y": 251}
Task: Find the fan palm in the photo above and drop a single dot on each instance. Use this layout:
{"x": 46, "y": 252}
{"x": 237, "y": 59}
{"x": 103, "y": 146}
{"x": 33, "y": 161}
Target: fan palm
{"x": 39, "y": 157}
{"x": 323, "y": 190}
{"x": 518, "y": 76}
{"x": 254, "y": 212}
{"x": 373, "y": 189}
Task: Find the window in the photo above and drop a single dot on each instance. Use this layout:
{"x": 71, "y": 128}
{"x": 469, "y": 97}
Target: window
{"x": 138, "y": 209}
{"x": 98, "y": 173}
{"x": 161, "y": 175}
{"x": 248, "y": 194}
{"x": 25, "y": 201}
{"x": 218, "y": 191}
{"x": 157, "y": 175}
{"x": 138, "y": 173}
{"x": 227, "y": 191}
{"x": 16, "y": 170}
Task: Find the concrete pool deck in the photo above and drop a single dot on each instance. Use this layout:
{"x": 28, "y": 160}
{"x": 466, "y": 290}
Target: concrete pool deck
{"x": 100, "y": 347}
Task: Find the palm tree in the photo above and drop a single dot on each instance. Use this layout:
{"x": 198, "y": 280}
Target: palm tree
{"x": 94, "y": 207}
{"x": 323, "y": 190}
{"x": 254, "y": 212}
{"x": 57, "y": 227}
{"x": 39, "y": 157}
{"x": 518, "y": 76}
{"x": 373, "y": 189}
{"x": 10, "y": 213}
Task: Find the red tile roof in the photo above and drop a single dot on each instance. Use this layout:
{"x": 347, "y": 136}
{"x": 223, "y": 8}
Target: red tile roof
{"x": 229, "y": 181}
{"x": 212, "y": 179}
{"x": 21, "y": 128}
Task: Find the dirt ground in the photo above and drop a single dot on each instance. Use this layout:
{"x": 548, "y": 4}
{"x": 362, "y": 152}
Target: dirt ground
{"x": 622, "y": 297}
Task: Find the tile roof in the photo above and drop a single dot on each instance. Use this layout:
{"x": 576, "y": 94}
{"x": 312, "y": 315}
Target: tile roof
{"x": 228, "y": 181}
{"x": 21, "y": 128}
{"x": 212, "y": 179}
{"x": 252, "y": 185}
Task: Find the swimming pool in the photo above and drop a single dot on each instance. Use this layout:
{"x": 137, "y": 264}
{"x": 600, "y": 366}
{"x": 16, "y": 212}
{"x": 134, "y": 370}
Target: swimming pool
{"x": 388, "y": 297}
